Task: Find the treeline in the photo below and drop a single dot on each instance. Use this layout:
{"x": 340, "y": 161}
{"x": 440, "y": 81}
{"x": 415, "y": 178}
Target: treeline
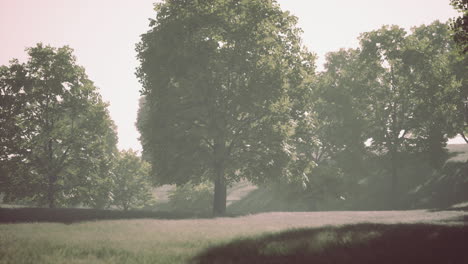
{"x": 397, "y": 96}
{"x": 230, "y": 93}
{"x": 58, "y": 142}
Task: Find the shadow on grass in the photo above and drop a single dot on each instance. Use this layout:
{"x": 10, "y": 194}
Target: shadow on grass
{"x": 73, "y": 215}
{"x": 363, "y": 243}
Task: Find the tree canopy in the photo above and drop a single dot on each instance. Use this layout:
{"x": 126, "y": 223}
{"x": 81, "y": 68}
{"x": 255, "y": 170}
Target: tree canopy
{"x": 59, "y": 140}
{"x": 132, "y": 188}
{"x": 223, "y": 82}
{"x": 398, "y": 93}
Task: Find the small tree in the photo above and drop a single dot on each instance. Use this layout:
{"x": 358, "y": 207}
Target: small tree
{"x": 55, "y": 129}
{"x": 132, "y": 186}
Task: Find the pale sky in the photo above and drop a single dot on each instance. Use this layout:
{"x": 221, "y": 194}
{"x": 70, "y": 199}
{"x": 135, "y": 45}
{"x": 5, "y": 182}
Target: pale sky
{"x": 103, "y": 34}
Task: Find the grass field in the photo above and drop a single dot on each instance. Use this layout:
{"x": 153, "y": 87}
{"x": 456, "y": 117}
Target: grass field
{"x": 37, "y": 235}
{"x": 199, "y": 240}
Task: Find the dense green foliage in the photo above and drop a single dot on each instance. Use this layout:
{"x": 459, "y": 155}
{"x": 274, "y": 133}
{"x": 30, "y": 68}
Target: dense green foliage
{"x": 235, "y": 96}
{"x": 197, "y": 198}
{"x": 132, "y": 188}
{"x": 229, "y": 93}
{"x": 223, "y": 82}
{"x": 396, "y": 95}
{"x": 57, "y": 141}
{"x": 459, "y": 27}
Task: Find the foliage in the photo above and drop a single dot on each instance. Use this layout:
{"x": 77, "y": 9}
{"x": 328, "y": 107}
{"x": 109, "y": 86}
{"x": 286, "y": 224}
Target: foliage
{"x": 341, "y": 106}
{"x": 436, "y": 89}
{"x": 412, "y": 91}
{"x": 223, "y": 82}
{"x": 192, "y": 197}
{"x": 132, "y": 188}
{"x": 397, "y": 94}
{"x": 390, "y": 91}
{"x": 459, "y": 25}
{"x": 142, "y": 125}
{"x": 59, "y": 139}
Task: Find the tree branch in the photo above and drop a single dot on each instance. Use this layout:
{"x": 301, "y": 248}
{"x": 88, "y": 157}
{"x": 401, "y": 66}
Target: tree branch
{"x": 464, "y": 137}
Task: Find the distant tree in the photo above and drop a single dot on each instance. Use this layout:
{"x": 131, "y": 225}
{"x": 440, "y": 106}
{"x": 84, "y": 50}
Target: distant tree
{"x": 132, "y": 186}
{"x": 96, "y": 160}
{"x": 459, "y": 27}
{"x": 142, "y": 125}
{"x": 391, "y": 107}
{"x": 340, "y": 105}
{"x": 223, "y": 81}
{"x": 412, "y": 91}
{"x": 57, "y": 131}
{"x": 429, "y": 54}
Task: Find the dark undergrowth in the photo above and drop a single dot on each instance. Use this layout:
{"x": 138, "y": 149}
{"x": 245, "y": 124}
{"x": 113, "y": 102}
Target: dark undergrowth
{"x": 362, "y": 243}
{"x": 73, "y": 215}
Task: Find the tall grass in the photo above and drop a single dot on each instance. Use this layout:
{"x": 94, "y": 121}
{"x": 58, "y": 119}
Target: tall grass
{"x": 171, "y": 241}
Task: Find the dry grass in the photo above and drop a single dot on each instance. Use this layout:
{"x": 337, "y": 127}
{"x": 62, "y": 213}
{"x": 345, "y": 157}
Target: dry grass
{"x": 172, "y": 241}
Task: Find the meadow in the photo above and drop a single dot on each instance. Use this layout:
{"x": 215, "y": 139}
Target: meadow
{"x": 280, "y": 238}
{"x": 68, "y": 235}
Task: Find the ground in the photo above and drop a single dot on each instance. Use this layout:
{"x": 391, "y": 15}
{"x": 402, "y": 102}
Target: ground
{"x": 180, "y": 240}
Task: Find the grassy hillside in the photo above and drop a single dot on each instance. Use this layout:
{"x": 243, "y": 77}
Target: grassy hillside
{"x": 459, "y": 151}
{"x": 183, "y": 240}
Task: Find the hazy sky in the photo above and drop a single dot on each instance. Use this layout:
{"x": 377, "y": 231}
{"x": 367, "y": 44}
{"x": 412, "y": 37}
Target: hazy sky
{"x": 103, "y": 34}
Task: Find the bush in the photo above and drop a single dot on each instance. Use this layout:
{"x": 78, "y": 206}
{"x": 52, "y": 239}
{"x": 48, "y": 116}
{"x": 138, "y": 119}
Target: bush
{"x": 192, "y": 197}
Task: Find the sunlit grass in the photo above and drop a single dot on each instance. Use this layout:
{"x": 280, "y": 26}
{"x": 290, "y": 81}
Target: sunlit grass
{"x": 175, "y": 241}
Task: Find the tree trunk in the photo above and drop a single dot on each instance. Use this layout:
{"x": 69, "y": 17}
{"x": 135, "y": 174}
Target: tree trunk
{"x": 436, "y": 151}
{"x": 393, "y": 199}
{"x": 51, "y": 191}
{"x": 52, "y": 178}
{"x": 219, "y": 198}
{"x": 220, "y": 193}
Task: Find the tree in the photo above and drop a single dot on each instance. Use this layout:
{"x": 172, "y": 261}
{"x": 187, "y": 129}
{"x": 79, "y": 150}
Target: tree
{"x": 12, "y": 81}
{"x": 132, "y": 186}
{"x": 142, "y": 125}
{"x": 390, "y": 94}
{"x": 58, "y": 129}
{"x": 436, "y": 89}
{"x": 413, "y": 92}
{"x": 96, "y": 159}
{"x": 223, "y": 81}
{"x": 341, "y": 105}
{"x": 459, "y": 27}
